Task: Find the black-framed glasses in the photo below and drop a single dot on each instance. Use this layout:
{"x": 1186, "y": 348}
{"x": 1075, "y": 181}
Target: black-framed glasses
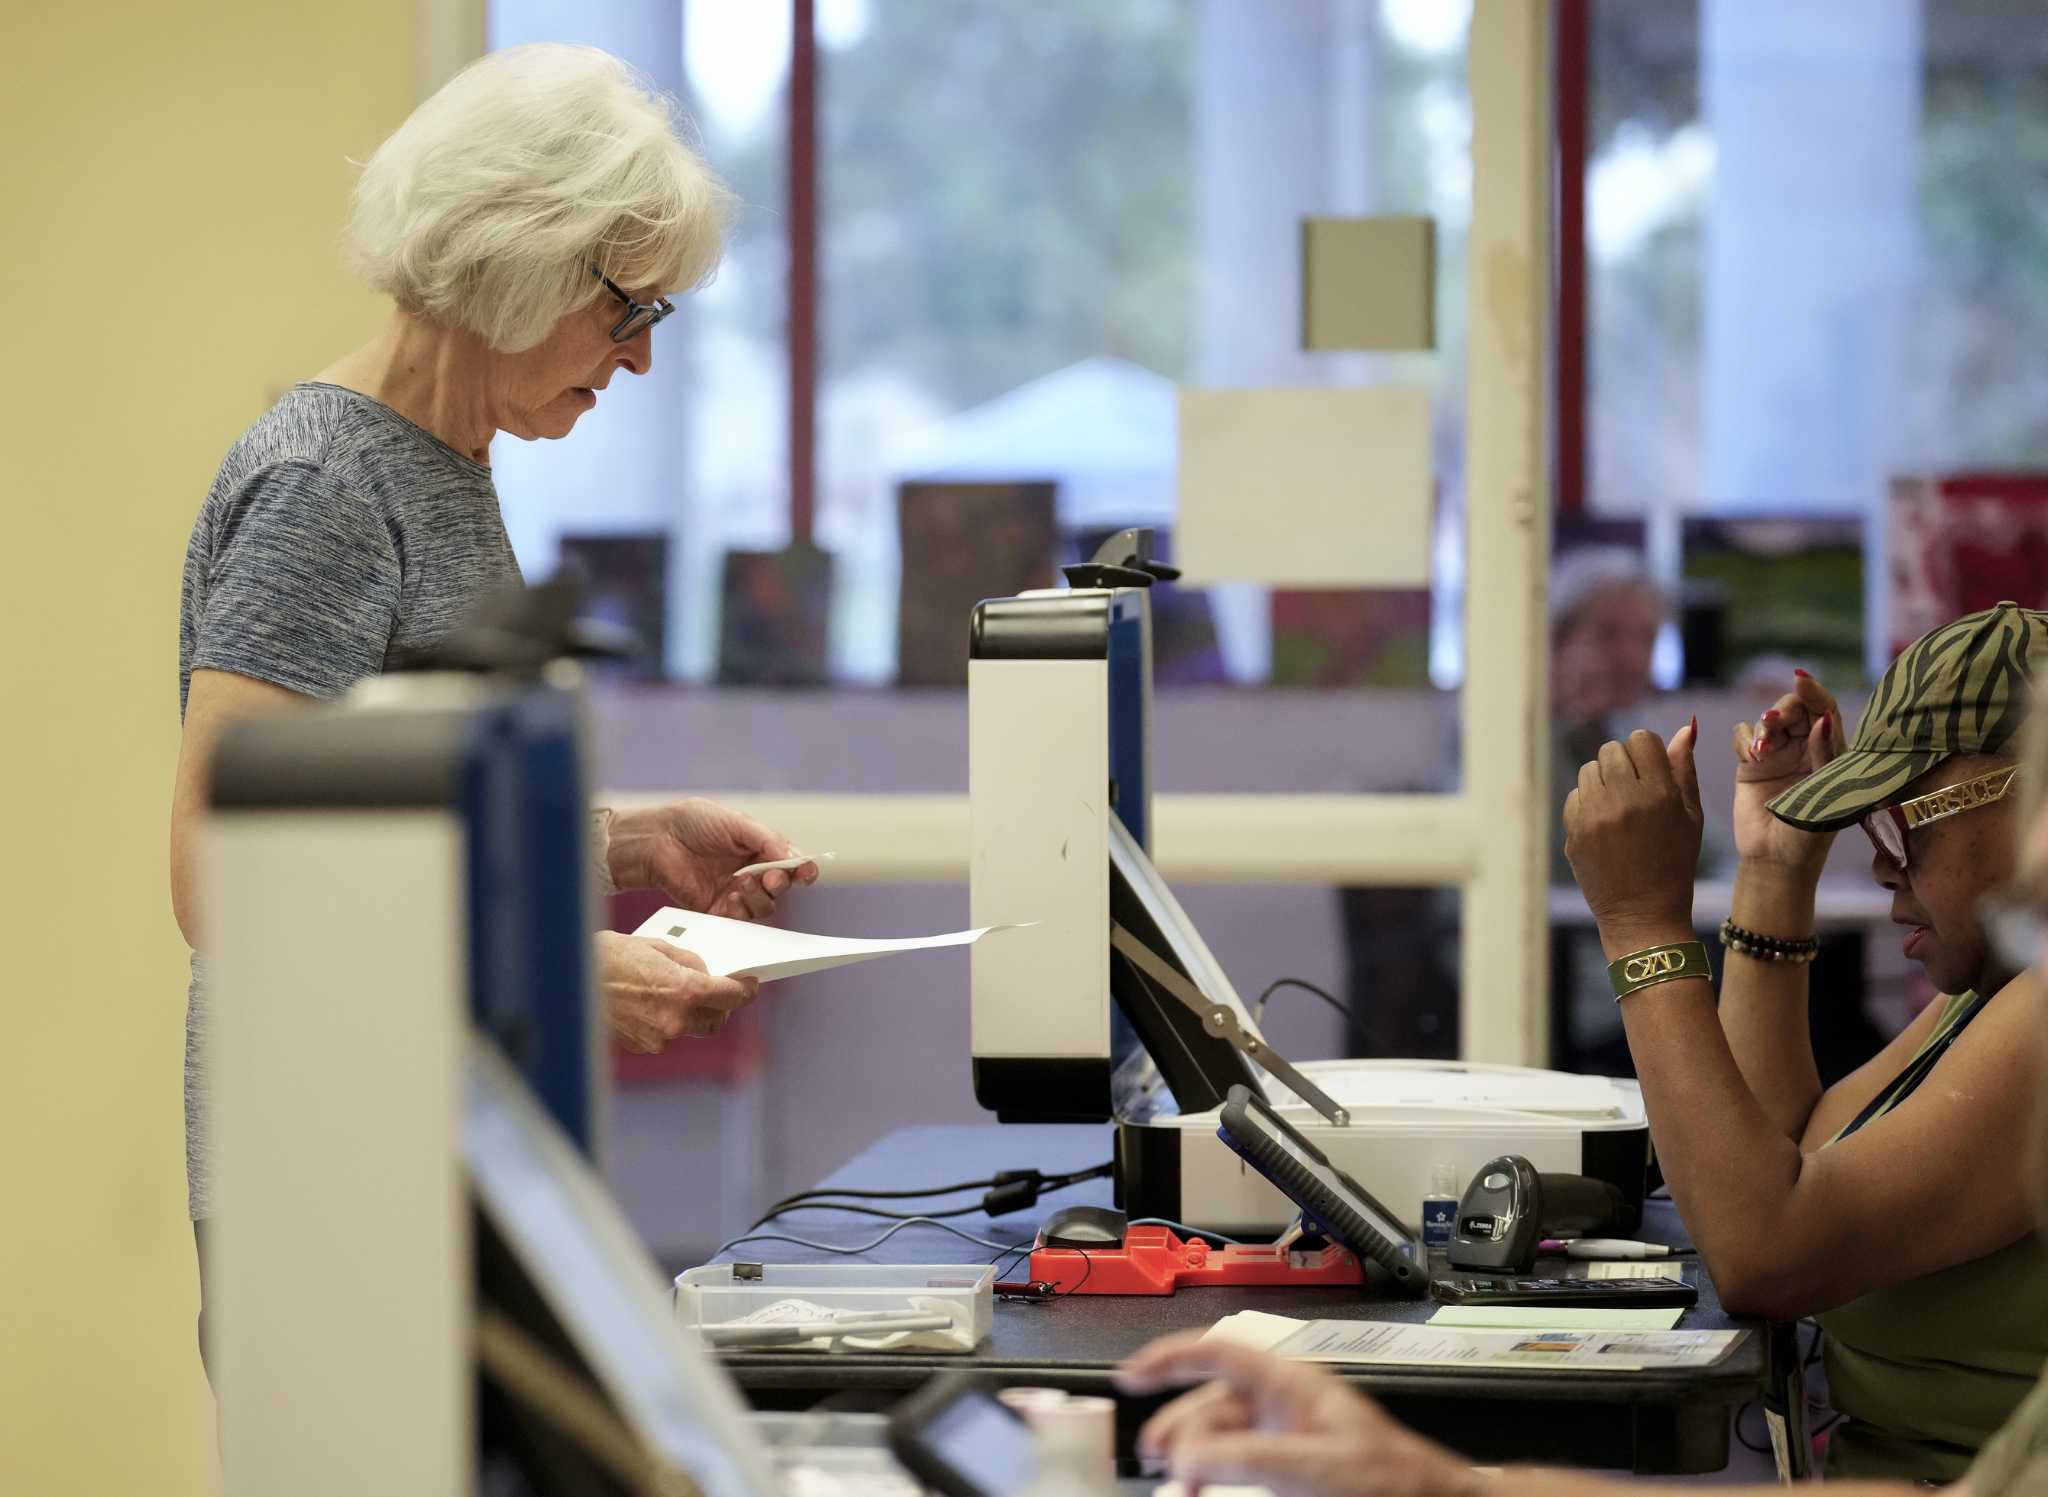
{"x": 638, "y": 316}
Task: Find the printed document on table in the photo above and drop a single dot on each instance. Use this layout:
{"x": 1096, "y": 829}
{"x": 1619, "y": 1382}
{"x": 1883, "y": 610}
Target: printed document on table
{"x": 1560, "y": 1318}
{"x": 1396, "y": 1344}
{"x": 740, "y": 948}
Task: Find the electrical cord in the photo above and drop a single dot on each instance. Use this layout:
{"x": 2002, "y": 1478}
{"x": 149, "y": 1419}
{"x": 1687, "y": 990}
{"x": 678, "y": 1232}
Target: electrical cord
{"x": 865, "y": 1247}
{"x": 1259, "y": 1007}
{"x": 856, "y": 1210}
{"x": 1087, "y": 1265}
{"x": 1008, "y": 1191}
{"x": 900, "y": 1195}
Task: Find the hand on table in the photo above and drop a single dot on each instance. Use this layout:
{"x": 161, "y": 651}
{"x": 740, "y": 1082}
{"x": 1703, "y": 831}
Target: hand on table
{"x": 655, "y": 992}
{"x": 1632, "y": 834}
{"x": 691, "y": 849}
{"x": 1801, "y": 732}
{"x": 1290, "y": 1426}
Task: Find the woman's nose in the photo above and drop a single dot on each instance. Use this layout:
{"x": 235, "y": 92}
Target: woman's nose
{"x": 636, "y": 354}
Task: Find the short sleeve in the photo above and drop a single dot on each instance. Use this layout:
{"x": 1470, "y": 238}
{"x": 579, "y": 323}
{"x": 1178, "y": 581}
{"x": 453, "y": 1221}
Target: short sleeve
{"x": 302, "y": 589}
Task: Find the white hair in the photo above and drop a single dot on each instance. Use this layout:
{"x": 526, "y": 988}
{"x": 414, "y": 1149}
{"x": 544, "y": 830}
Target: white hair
{"x": 1580, "y": 575}
{"x": 491, "y": 205}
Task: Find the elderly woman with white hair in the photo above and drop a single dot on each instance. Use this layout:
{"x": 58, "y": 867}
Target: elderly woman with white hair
{"x": 529, "y": 223}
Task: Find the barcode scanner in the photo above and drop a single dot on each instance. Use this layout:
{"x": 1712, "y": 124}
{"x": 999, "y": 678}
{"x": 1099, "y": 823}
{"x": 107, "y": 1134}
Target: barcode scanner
{"x": 1509, "y": 1207}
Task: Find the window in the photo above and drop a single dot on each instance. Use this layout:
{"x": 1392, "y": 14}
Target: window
{"x": 1035, "y": 221}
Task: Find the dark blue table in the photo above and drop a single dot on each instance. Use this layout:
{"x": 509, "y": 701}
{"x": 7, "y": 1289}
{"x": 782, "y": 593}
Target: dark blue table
{"x": 1673, "y": 1422}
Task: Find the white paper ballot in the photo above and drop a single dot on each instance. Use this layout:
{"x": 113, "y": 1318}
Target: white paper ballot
{"x": 739, "y": 948}
{"x": 1392, "y": 1343}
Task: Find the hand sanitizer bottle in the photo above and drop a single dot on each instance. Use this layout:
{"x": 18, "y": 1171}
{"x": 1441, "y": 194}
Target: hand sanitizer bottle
{"x": 1440, "y": 1209}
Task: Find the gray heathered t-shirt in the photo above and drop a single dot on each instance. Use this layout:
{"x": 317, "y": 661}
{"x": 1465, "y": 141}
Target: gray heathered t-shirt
{"x": 338, "y": 541}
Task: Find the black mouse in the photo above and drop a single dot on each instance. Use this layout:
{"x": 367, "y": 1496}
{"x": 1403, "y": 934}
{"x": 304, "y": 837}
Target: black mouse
{"x": 1083, "y": 1227}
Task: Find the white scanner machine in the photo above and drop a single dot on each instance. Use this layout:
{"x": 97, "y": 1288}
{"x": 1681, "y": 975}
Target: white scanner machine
{"x": 1111, "y": 1007}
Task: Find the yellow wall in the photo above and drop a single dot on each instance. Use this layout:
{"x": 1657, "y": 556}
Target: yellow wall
{"x": 174, "y": 181}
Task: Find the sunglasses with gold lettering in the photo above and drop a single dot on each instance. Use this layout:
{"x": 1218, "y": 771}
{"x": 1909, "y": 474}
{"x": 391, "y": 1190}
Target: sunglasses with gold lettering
{"x": 1886, "y": 827}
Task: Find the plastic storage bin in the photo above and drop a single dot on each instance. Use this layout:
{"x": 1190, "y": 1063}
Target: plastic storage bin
{"x": 714, "y": 1293}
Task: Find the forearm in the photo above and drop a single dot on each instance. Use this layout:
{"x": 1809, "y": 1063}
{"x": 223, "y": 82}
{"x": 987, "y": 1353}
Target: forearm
{"x": 1527, "y": 1481}
{"x": 1732, "y": 1171}
{"x": 1764, "y": 1003}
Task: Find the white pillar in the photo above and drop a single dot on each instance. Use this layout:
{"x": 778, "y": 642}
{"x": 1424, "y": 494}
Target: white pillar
{"x": 1815, "y": 114}
{"x": 623, "y": 467}
{"x": 1504, "y": 951}
{"x": 1281, "y": 130}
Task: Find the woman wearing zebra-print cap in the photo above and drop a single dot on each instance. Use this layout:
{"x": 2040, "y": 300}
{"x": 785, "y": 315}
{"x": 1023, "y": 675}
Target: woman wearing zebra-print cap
{"x": 1888, "y": 1206}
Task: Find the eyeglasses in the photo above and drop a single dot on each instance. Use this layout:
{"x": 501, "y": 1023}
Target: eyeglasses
{"x": 1886, "y": 827}
{"x": 639, "y": 315}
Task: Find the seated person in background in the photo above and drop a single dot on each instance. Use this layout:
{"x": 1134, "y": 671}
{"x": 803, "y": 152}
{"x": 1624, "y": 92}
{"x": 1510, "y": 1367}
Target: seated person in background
{"x": 1605, "y": 611}
{"x": 1297, "y": 1429}
{"x": 1402, "y": 944}
{"x": 1885, "y": 1205}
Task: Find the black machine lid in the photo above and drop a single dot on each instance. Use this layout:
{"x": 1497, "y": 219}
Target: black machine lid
{"x": 1161, "y": 1035}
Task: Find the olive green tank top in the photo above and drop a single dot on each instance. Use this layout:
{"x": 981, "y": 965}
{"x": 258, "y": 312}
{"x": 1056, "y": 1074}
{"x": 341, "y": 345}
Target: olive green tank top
{"x": 1926, "y": 1371}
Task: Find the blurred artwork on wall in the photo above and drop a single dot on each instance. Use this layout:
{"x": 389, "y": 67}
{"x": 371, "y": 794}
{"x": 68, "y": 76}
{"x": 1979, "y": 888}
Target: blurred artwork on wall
{"x": 1961, "y": 543}
{"x": 626, "y": 582}
{"x": 774, "y": 608}
{"x": 963, "y": 542}
{"x": 1766, "y": 593}
{"x": 1333, "y": 638}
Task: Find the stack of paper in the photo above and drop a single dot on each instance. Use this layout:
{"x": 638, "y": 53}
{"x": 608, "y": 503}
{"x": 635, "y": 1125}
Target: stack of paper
{"x": 739, "y": 948}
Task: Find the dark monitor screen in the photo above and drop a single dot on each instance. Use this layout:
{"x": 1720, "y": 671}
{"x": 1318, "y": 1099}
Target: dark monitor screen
{"x": 1159, "y": 1034}
{"x": 587, "y": 1384}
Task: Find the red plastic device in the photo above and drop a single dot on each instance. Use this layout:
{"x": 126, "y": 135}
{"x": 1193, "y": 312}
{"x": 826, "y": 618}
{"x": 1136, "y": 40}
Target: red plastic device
{"x": 1155, "y": 1260}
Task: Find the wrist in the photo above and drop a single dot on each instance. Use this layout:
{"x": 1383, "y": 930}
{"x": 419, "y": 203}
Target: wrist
{"x": 1622, "y": 936}
{"x": 626, "y": 846}
{"x": 1774, "y": 899}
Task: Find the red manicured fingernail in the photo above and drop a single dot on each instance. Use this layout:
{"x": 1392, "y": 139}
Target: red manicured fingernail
{"x": 1802, "y": 675}
{"x": 1823, "y": 728}
{"x": 1756, "y": 750}
{"x": 1771, "y": 716}
{"x": 1695, "y": 725}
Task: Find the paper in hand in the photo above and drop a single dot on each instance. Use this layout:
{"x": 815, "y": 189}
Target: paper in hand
{"x": 788, "y": 863}
{"x": 739, "y": 948}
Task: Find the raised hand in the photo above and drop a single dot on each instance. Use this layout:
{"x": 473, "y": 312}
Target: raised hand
{"x": 1632, "y": 834}
{"x": 1800, "y": 732}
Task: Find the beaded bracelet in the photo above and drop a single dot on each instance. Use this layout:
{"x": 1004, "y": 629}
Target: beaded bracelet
{"x": 1764, "y": 948}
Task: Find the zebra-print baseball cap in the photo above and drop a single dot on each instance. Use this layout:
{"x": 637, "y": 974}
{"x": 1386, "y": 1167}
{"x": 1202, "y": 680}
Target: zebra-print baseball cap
{"x": 1960, "y": 689}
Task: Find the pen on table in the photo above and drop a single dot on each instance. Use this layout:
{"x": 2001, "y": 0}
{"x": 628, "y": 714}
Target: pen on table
{"x": 777, "y": 1335}
{"x": 1602, "y": 1247}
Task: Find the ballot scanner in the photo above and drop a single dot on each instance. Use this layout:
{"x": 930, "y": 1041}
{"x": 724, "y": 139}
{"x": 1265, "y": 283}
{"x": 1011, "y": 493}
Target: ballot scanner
{"x": 1111, "y": 1007}
{"x": 416, "y": 1280}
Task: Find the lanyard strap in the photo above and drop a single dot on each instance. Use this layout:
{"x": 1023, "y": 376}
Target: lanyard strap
{"x": 1917, "y": 1069}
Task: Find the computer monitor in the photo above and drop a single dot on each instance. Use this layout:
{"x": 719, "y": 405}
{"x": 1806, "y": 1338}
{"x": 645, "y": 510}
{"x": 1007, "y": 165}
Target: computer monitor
{"x": 585, "y": 1383}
